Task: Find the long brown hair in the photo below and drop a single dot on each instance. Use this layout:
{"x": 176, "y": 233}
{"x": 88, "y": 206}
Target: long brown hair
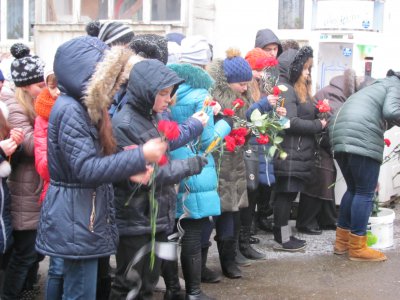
{"x": 302, "y": 86}
{"x": 26, "y": 101}
{"x": 106, "y": 135}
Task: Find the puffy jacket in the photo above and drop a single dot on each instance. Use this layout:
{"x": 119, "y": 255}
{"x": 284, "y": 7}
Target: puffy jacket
{"x": 24, "y": 182}
{"x": 359, "y": 125}
{"x": 78, "y": 216}
{"x": 299, "y": 139}
{"x": 266, "y": 168}
{"x": 40, "y": 137}
{"x": 202, "y": 200}
{"x": 136, "y": 123}
{"x": 5, "y": 199}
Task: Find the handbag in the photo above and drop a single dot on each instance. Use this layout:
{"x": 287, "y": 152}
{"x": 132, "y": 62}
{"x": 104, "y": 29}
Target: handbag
{"x": 252, "y": 164}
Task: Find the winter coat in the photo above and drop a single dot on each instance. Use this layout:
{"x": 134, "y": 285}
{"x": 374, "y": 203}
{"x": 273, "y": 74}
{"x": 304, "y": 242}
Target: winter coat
{"x": 299, "y": 139}
{"x": 324, "y": 173}
{"x": 24, "y": 182}
{"x": 266, "y": 167}
{"x": 203, "y": 199}
{"x": 5, "y": 201}
{"x": 78, "y": 216}
{"x": 232, "y": 185}
{"x": 136, "y": 123}
{"x": 359, "y": 125}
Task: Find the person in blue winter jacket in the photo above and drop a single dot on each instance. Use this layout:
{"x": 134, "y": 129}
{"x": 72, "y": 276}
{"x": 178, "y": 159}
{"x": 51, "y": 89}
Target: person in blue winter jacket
{"x": 198, "y": 198}
{"x": 77, "y": 219}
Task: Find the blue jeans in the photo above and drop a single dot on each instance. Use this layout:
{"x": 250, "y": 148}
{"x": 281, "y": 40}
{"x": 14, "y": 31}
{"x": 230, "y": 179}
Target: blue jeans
{"x": 55, "y": 279}
{"x": 80, "y": 279}
{"x": 361, "y": 175}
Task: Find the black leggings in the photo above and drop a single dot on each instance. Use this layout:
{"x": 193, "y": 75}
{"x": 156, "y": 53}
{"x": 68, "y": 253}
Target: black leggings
{"x": 282, "y": 206}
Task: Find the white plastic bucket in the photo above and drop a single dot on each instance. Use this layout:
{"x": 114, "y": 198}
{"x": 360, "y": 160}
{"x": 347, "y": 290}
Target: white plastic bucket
{"x": 381, "y": 226}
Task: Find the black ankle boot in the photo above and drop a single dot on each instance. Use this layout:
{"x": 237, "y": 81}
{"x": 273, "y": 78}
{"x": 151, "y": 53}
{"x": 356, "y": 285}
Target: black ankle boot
{"x": 244, "y": 245}
{"x": 171, "y": 279}
{"x": 207, "y": 275}
{"x": 227, "y": 253}
{"x": 191, "y": 268}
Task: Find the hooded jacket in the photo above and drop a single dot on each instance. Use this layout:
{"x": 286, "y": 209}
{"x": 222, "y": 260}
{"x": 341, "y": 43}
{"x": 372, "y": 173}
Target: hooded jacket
{"x": 359, "y": 125}
{"x": 298, "y": 140}
{"x": 136, "y": 123}
{"x": 202, "y": 200}
{"x": 232, "y": 185}
{"x": 78, "y": 216}
{"x": 265, "y": 37}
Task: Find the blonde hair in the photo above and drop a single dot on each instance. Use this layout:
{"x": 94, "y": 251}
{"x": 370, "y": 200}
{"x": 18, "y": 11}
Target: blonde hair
{"x": 26, "y": 101}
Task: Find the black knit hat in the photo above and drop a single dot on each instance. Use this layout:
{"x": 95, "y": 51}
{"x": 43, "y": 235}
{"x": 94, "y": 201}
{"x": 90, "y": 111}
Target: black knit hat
{"x": 296, "y": 67}
{"x": 111, "y": 32}
{"x": 151, "y": 46}
{"x": 25, "y": 69}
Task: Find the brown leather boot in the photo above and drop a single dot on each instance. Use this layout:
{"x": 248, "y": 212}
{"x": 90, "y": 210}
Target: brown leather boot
{"x": 342, "y": 241}
{"x": 359, "y": 251}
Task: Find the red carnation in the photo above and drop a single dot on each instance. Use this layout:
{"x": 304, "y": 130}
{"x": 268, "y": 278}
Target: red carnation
{"x": 323, "y": 107}
{"x": 238, "y": 103}
{"x": 213, "y": 103}
{"x": 238, "y": 131}
{"x": 228, "y": 112}
{"x": 263, "y": 139}
{"x": 240, "y": 140}
{"x": 276, "y": 91}
{"x": 230, "y": 143}
{"x": 163, "y": 160}
{"x": 169, "y": 129}
{"x": 387, "y": 142}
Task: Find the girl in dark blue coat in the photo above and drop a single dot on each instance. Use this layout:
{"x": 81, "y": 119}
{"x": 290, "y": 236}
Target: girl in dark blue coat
{"x": 77, "y": 219}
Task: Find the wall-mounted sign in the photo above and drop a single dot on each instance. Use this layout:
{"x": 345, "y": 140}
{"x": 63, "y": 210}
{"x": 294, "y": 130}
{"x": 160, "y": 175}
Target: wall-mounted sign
{"x": 347, "y": 51}
{"x": 345, "y": 14}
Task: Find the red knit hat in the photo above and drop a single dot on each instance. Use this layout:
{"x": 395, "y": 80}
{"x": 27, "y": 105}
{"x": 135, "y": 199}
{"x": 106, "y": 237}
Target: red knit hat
{"x": 44, "y": 103}
{"x": 254, "y": 56}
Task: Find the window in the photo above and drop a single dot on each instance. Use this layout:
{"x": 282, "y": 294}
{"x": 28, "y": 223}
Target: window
{"x": 291, "y": 14}
{"x": 17, "y": 19}
{"x": 83, "y": 11}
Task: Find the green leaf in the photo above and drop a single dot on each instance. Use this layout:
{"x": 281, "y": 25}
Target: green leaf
{"x": 278, "y": 140}
{"x": 272, "y": 151}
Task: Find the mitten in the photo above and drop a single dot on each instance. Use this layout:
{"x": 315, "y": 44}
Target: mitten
{"x": 196, "y": 164}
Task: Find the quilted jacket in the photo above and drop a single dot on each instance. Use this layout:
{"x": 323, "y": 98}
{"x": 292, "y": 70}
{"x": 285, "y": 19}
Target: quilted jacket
{"x": 78, "y": 217}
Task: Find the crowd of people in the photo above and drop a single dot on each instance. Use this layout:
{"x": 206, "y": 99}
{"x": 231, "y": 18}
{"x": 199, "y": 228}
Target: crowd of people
{"x": 88, "y": 170}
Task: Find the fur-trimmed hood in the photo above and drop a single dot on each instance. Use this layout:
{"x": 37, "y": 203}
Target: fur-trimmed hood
{"x": 194, "y": 76}
{"x": 107, "y": 79}
{"x": 221, "y": 91}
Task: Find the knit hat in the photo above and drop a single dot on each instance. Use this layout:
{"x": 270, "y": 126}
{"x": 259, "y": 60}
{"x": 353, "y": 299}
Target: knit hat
{"x": 236, "y": 68}
{"x": 44, "y": 103}
{"x": 25, "y": 69}
{"x": 195, "y": 50}
{"x": 1, "y": 76}
{"x": 111, "y": 32}
{"x": 254, "y": 57}
{"x": 174, "y": 52}
{"x": 150, "y": 46}
{"x": 48, "y": 70}
{"x": 175, "y": 37}
{"x": 296, "y": 67}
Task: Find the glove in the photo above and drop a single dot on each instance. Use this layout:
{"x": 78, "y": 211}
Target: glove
{"x": 196, "y": 164}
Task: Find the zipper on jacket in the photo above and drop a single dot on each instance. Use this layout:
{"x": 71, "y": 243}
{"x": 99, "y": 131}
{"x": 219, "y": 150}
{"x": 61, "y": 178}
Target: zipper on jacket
{"x": 93, "y": 213}
{"x": 298, "y": 144}
{"x": 266, "y": 169}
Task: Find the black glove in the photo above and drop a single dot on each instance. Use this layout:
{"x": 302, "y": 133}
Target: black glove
{"x": 228, "y": 120}
{"x": 196, "y": 164}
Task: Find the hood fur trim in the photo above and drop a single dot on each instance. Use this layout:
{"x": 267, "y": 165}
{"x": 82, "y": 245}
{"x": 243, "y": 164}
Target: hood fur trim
{"x": 106, "y": 80}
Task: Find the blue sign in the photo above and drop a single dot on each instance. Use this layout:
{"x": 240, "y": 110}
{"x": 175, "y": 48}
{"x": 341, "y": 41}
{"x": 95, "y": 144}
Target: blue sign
{"x": 366, "y": 24}
{"x": 347, "y": 52}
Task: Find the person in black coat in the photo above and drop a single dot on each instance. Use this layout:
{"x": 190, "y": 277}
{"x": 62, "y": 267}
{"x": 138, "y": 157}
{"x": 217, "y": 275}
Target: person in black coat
{"x": 150, "y": 88}
{"x": 293, "y": 172}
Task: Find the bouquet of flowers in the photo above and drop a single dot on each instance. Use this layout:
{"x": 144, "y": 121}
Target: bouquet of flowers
{"x": 323, "y": 108}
